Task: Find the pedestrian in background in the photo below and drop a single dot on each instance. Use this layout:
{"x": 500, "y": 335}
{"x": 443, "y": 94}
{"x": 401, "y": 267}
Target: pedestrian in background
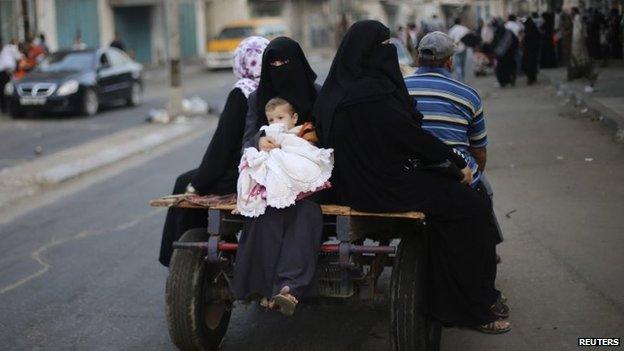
{"x": 548, "y": 57}
{"x": 9, "y": 56}
{"x": 118, "y": 43}
{"x": 614, "y": 34}
{"x": 581, "y": 63}
{"x": 531, "y": 50}
{"x": 505, "y": 49}
{"x": 457, "y": 33}
{"x": 565, "y": 38}
{"x": 78, "y": 43}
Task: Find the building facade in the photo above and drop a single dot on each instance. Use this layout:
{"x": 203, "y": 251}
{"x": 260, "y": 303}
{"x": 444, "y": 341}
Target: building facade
{"x": 140, "y": 24}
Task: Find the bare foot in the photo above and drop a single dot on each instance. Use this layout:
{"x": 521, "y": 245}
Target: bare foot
{"x": 284, "y": 302}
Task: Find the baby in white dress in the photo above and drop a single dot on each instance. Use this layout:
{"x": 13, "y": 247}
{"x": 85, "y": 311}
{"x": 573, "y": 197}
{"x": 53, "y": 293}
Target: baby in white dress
{"x": 294, "y": 169}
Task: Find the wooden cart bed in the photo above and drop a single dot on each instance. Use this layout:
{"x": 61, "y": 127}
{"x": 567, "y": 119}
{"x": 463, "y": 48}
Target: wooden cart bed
{"x": 228, "y": 203}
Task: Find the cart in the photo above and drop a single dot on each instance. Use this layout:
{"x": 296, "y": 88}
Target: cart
{"x": 199, "y": 301}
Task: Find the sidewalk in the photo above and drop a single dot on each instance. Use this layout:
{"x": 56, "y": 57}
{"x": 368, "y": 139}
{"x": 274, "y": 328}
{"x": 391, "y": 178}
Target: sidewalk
{"x": 21, "y": 182}
{"x": 606, "y": 103}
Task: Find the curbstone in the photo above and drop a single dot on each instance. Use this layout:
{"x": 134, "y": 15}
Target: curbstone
{"x": 589, "y": 106}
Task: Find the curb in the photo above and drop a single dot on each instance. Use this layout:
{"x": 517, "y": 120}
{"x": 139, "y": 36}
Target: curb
{"x": 108, "y": 156}
{"x": 590, "y": 107}
{"x": 28, "y": 179}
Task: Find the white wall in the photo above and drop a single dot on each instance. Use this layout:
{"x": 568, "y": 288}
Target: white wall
{"x": 107, "y": 22}
{"x": 46, "y": 21}
{"x": 200, "y": 22}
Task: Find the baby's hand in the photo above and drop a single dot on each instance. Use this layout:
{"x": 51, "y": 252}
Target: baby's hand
{"x": 267, "y": 144}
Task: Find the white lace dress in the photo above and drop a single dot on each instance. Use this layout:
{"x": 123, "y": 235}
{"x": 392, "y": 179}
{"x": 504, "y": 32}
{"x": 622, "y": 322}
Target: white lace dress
{"x": 278, "y": 177}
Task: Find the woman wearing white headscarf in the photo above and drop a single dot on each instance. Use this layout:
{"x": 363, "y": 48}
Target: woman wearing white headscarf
{"x": 218, "y": 172}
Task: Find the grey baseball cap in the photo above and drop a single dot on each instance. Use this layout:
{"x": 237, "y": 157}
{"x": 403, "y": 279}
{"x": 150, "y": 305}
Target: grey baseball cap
{"x": 436, "y": 46}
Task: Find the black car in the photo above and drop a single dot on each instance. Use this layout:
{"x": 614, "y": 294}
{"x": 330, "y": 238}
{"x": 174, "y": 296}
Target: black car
{"x": 77, "y": 81}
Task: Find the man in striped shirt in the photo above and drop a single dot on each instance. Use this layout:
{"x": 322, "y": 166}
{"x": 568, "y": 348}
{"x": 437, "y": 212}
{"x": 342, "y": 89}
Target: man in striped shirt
{"x": 452, "y": 111}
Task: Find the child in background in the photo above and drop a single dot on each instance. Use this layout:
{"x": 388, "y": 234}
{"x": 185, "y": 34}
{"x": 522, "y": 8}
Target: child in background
{"x": 294, "y": 169}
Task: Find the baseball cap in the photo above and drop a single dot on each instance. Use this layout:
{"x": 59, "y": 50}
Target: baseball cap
{"x": 436, "y": 46}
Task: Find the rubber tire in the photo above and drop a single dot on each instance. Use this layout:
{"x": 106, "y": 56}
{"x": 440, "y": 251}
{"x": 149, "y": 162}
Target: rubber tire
{"x": 184, "y": 295}
{"x": 16, "y": 114}
{"x": 129, "y": 100}
{"x": 83, "y": 106}
{"x": 411, "y": 327}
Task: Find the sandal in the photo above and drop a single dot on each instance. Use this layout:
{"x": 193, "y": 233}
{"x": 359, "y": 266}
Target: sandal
{"x": 500, "y": 309}
{"x": 496, "y": 327}
{"x": 284, "y": 302}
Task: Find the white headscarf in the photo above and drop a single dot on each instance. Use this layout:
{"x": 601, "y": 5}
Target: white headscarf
{"x": 248, "y": 63}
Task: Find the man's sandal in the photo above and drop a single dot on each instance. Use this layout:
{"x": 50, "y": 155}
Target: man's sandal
{"x": 496, "y": 327}
{"x": 500, "y": 309}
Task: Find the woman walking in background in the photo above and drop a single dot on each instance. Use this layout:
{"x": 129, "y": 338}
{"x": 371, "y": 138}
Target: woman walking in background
{"x": 581, "y": 64}
{"x": 548, "y": 57}
{"x": 530, "y": 50}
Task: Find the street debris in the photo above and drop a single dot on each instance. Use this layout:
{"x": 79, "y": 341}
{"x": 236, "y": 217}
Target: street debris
{"x": 588, "y": 159}
{"x": 158, "y": 116}
{"x": 508, "y": 214}
{"x": 559, "y": 158}
{"x": 195, "y": 106}
{"x": 38, "y": 150}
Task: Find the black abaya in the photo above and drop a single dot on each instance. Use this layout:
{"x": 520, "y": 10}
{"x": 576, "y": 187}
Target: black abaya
{"x": 375, "y": 133}
{"x": 217, "y": 173}
{"x": 505, "y": 49}
{"x": 531, "y": 50}
{"x": 280, "y": 248}
{"x": 548, "y": 56}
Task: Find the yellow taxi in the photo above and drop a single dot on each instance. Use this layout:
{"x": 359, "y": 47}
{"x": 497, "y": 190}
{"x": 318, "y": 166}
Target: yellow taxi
{"x": 220, "y": 50}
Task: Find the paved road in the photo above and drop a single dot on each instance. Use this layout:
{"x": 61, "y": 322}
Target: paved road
{"x": 81, "y": 273}
{"x": 57, "y": 132}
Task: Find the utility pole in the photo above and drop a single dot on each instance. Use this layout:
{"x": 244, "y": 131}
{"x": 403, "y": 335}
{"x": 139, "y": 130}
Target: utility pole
{"x": 173, "y": 42}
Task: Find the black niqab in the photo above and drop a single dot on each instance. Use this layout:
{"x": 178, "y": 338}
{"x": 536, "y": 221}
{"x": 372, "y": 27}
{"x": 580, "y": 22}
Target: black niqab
{"x": 293, "y": 81}
{"x": 363, "y": 69}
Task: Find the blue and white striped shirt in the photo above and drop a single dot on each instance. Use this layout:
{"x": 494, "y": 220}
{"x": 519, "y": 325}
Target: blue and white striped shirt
{"x": 452, "y": 111}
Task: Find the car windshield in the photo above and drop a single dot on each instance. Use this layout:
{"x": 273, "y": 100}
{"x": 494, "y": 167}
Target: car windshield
{"x": 235, "y": 32}
{"x": 67, "y": 61}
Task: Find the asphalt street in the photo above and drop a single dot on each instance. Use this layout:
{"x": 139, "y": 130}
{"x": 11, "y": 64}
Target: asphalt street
{"x": 82, "y": 272}
{"x": 56, "y": 132}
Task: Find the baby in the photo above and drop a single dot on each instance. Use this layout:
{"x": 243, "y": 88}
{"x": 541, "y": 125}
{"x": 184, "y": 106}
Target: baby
{"x": 279, "y": 110}
{"x": 293, "y": 168}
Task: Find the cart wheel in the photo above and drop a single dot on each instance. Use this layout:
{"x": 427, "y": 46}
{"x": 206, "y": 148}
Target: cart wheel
{"x": 197, "y": 314}
{"x": 411, "y": 328}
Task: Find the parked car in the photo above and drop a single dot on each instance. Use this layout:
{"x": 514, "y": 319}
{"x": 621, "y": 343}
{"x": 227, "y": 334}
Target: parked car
{"x": 77, "y": 81}
{"x": 220, "y": 50}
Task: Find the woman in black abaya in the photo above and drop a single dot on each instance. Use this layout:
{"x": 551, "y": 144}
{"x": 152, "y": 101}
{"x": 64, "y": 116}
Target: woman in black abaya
{"x": 365, "y": 113}
{"x": 218, "y": 172}
{"x": 277, "y": 252}
{"x": 505, "y": 49}
{"x": 530, "y": 50}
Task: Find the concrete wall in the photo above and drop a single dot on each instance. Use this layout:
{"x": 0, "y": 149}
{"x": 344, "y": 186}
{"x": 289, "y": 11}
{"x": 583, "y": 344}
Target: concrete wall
{"x": 107, "y": 23}
{"x": 46, "y": 21}
{"x": 221, "y": 12}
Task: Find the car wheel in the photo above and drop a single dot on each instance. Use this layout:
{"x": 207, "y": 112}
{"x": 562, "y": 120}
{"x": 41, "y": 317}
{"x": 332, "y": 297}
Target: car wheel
{"x": 90, "y": 103}
{"x": 15, "y": 114}
{"x": 136, "y": 95}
